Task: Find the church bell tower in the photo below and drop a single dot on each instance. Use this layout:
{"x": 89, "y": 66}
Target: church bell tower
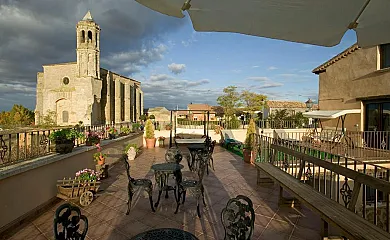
{"x": 88, "y": 47}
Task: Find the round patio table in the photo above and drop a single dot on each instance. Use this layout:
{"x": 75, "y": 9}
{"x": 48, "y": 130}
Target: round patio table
{"x": 161, "y": 175}
{"x": 165, "y": 234}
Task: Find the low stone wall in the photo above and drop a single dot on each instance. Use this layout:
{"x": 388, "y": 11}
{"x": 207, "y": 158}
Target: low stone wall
{"x": 27, "y": 187}
{"x": 239, "y": 134}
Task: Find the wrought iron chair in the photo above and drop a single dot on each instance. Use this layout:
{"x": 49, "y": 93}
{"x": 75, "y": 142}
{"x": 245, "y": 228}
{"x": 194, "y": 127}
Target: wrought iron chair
{"x": 173, "y": 155}
{"x": 210, "y": 159}
{"x": 135, "y": 184}
{"x": 69, "y": 216}
{"x": 238, "y": 218}
{"x": 194, "y": 186}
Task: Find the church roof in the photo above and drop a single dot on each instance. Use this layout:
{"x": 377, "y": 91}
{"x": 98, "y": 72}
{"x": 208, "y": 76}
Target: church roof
{"x": 88, "y": 17}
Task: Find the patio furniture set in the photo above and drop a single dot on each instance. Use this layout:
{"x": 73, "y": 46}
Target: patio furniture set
{"x": 237, "y": 217}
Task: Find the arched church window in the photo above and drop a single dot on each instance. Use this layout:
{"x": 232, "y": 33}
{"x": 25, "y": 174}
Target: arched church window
{"x": 89, "y": 36}
{"x": 83, "y": 36}
{"x": 65, "y": 116}
{"x": 65, "y": 80}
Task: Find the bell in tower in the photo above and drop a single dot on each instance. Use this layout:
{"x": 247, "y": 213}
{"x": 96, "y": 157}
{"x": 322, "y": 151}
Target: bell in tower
{"x": 88, "y": 47}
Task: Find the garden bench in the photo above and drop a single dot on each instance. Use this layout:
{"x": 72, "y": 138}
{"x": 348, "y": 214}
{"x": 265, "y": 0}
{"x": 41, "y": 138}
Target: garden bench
{"x": 228, "y": 140}
{"x": 352, "y": 225}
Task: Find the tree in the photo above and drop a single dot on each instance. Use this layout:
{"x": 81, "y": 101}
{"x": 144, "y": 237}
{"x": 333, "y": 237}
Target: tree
{"x": 18, "y": 116}
{"x": 218, "y": 111}
{"x": 49, "y": 119}
{"x": 279, "y": 116}
{"x": 253, "y": 101}
{"x": 230, "y": 100}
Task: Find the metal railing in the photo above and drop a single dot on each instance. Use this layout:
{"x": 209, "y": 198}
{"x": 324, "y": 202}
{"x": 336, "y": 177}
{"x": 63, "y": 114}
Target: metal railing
{"x": 16, "y": 147}
{"x": 361, "y": 186}
{"x": 232, "y": 124}
{"x": 367, "y": 145}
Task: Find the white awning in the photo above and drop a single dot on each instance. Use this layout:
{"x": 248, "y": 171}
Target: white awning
{"x": 322, "y": 114}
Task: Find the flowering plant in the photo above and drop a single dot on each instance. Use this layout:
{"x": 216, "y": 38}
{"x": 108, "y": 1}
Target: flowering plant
{"x": 161, "y": 138}
{"x": 99, "y": 156}
{"x": 87, "y": 174}
{"x": 112, "y": 130}
{"x": 94, "y": 137}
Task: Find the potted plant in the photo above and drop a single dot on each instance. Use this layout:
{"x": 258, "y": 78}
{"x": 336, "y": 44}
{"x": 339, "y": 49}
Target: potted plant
{"x": 100, "y": 158}
{"x": 135, "y": 127}
{"x": 93, "y": 138}
{"x": 87, "y": 174}
{"x": 64, "y": 139}
{"x": 161, "y": 141}
{"x": 168, "y": 126}
{"x": 112, "y": 132}
{"x": 149, "y": 134}
{"x": 131, "y": 151}
{"x": 249, "y": 141}
{"x": 124, "y": 131}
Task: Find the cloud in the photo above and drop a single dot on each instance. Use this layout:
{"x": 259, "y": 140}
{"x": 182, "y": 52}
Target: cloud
{"x": 177, "y": 68}
{"x": 272, "y": 68}
{"x": 270, "y": 85}
{"x": 255, "y": 66}
{"x": 160, "y": 77}
{"x": 260, "y": 79}
{"x": 34, "y": 33}
{"x": 288, "y": 75}
{"x": 236, "y": 70}
{"x": 162, "y": 93}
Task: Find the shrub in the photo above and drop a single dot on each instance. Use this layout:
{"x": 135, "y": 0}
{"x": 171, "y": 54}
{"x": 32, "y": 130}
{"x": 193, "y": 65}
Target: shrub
{"x": 65, "y": 134}
{"x": 249, "y": 140}
{"x": 125, "y": 130}
{"x": 149, "y": 128}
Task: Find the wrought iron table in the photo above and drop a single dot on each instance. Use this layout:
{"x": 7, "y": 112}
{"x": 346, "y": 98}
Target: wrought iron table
{"x": 161, "y": 174}
{"x": 189, "y": 140}
{"x": 193, "y": 148}
{"x": 165, "y": 234}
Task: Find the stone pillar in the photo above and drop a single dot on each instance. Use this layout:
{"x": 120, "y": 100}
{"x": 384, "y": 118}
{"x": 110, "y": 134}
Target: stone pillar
{"x": 117, "y": 101}
{"x": 127, "y": 102}
{"x": 141, "y": 101}
{"x": 108, "y": 101}
{"x": 137, "y": 103}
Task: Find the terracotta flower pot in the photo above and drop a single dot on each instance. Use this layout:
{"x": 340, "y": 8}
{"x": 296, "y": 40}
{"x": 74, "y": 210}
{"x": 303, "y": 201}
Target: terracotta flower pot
{"x": 101, "y": 160}
{"x": 247, "y": 155}
{"x": 150, "y": 143}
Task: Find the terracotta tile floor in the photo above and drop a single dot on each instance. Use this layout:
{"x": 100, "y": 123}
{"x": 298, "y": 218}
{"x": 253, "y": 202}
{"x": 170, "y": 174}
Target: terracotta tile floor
{"x": 107, "y": 219}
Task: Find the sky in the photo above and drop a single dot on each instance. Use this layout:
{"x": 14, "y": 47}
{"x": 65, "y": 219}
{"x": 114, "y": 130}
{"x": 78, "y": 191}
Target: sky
{"x": 175, "y": 65}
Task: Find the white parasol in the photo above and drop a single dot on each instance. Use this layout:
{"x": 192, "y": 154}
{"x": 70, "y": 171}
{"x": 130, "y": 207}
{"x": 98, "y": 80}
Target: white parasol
{"x": 317, "y": 22}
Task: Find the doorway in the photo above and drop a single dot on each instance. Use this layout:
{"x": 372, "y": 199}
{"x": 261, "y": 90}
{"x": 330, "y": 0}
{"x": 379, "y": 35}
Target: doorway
{"x": 377, "y": 123}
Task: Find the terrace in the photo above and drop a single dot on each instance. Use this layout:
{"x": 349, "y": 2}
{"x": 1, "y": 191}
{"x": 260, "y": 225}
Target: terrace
{"x": 289, "y": 150}
{"x": 107, "y": 219}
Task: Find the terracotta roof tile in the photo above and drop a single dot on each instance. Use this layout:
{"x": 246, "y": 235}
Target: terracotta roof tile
{"x": 285, "y": 104}
{"x": 341, "y": 55}
{"x": 199, "y": 107}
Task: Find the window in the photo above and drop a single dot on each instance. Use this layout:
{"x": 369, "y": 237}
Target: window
{"x": 195, "y": 118}
{"x": 65, "y": 80}
{"x": 65, "y": 116}
{"x": 89, "y": 36}
{"x": 83, "y": 36}
{"x": 385, "y": 55}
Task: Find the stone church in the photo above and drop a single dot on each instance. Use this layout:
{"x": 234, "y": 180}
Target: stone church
{"x": 82, "y": 90}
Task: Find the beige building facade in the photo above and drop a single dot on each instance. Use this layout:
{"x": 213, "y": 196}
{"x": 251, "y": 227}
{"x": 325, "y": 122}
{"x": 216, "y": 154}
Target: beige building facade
{"x": 82, "y": 90}
{"x": 357, "y": 79}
